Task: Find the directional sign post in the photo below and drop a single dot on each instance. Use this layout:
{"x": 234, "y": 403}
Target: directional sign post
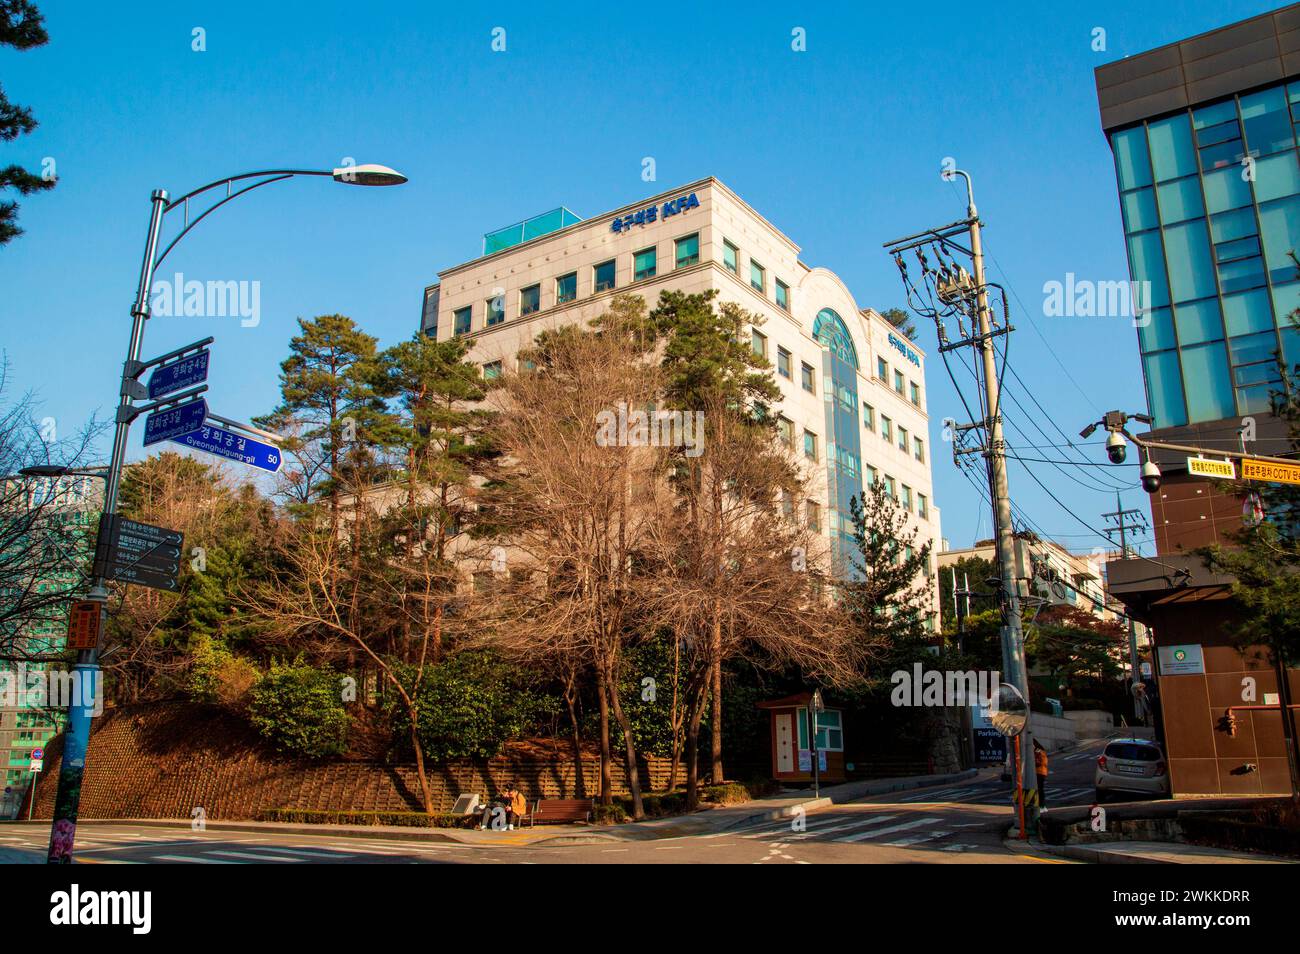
{"x": 184, "y": 373}
{"x": 172, "y": 422}
{"x": 140, "y": 553}
{"x": 232, "y": 446}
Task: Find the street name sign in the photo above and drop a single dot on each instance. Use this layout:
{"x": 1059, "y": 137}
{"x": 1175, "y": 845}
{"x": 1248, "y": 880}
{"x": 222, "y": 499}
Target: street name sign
{"x": 1204, "y": 467}
{"x": 232, "y": 446}
{"x": 1266, "y": 470}
{"x": 179, "y": 375}
{"x": 172, "y": 422}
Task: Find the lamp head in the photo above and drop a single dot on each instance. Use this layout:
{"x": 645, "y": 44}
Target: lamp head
{"x": 369, "y": 174}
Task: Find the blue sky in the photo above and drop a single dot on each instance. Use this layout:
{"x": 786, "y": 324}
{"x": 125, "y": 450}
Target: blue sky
{"x": 839, "y": 146}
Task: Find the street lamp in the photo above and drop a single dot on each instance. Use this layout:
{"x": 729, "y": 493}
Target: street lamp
{"x": 67, "y": 800}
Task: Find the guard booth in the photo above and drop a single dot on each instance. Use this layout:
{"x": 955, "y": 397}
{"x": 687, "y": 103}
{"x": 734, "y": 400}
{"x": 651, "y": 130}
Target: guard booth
{"x": 792, "y": 755}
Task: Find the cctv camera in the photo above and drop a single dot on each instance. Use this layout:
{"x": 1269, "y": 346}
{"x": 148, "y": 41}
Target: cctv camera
{"x": 1150, "y": 477}
{"x": 1116, "y": 448}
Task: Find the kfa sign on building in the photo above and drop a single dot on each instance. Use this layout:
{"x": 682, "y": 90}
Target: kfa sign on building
{"x": 654, "y": 213}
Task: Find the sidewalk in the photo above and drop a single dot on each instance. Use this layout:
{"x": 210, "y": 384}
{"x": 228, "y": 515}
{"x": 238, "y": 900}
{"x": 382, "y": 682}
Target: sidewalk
{"x": 1149, "y": 853}
{"x": 705, "y": 821}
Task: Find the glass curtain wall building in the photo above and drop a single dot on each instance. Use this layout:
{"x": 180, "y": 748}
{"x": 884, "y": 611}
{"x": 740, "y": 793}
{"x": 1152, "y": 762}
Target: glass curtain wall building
{"x": 1210, "y": 199}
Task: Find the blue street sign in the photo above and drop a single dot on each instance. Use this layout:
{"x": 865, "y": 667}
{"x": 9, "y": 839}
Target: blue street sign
{"x": 232, "y": 446}
{"x": 179, "y": 375}
{"x": 174, "y": 421}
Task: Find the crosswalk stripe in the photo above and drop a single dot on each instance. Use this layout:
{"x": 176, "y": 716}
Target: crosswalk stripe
{"x": 917, "y": 839}
{"x": 858, "y": 823}
{"x": 248, "y": 855}
{"x": 876, "y": 833}
{"x": 314, "y": 854}
{"x": 192, "y": 859}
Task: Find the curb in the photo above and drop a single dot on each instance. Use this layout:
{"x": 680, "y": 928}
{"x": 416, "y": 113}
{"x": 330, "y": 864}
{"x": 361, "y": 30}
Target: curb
{"x": 687, "y": 826}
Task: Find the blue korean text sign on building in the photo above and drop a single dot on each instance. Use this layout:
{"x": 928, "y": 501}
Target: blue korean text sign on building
{"x": 653, "y": 213}
{"x": 172, "y": 422}
{"x": 179, "y": 375}
{"x": 232, "y": 446}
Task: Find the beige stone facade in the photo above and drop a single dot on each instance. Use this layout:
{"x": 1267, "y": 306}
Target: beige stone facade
{"x": 705, "y": 236}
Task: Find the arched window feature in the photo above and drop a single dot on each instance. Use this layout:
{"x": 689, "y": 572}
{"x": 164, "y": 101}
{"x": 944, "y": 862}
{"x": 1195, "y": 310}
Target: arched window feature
{"x": 830, "y": 330}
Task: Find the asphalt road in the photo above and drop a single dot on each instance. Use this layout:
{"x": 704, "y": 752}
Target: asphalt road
{"x": 940, "y": 825}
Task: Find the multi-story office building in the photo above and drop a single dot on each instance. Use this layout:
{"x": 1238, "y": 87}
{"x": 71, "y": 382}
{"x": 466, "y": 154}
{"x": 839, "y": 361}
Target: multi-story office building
{"x": 1203, "y": 133}
{"x": 69, "y": 507}
{"x": 853, "y": 388}
{"x": 1204, "y": 138}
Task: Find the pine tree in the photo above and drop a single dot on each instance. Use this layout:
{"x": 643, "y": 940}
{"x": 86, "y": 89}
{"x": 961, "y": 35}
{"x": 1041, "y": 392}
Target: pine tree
{"x": 888, "y": 593}
{"x": 22, "y": 27}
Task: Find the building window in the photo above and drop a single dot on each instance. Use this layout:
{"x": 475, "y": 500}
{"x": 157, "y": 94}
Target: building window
{"x": 785, "y": 430}
{"x": 898, "y": 381}
{"x": 729, "y": 259}
{"x": 491, "y": 370}
{"x": 882, "y": 369}
{"x": 783, "y": 363}
{"x": 806, "y": 371}
{"x": 890, "y": 487}
{"x": 886, "y": 428}
{"x": 830, "y": 734}
{"x": 787, "y": 504}
{"x": 757, "y": 276}
{"x": 809, "y": 445}
{"x": 872, "y": 476}
{"x": 758, "y": 341}
{"x": 643, "y": 264}
{"x": 530, "y": 299}
{"x": 915, "y": 393}
{"x": 496, "y": 310}
{"x": 922, "y": 509}
{"x": 814, "y": 515}
{"x": 460, "y": 321}
{"x": 782, "y": 295}
{"x": 566, "y": 288}
{"x": 688, "y": 250}
{"x": 907, "y": 498}
{"x": 604, "y": 276}
{"x": 868, "y": 416}
{"x": 920, "y": 449}
{"x": 902, "y": 440}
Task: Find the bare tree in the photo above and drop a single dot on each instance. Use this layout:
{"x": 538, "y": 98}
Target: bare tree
{"x": 47, "y": 524}
{"x": 574, "y": 507}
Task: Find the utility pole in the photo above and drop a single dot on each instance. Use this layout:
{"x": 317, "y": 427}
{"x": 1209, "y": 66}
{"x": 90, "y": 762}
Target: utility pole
{"x": 1125, "y": 520}
{"x": 947, "y": 291}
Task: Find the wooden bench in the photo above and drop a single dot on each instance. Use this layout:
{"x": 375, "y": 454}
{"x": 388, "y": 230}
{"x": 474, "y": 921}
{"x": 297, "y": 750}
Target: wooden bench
{"x": 558, "y": 811}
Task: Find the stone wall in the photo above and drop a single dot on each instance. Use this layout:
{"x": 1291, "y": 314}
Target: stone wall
{"x": 163, "y": 760}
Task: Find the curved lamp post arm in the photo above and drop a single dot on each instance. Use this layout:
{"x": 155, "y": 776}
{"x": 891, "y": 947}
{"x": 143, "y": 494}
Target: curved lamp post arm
{"x": 212, "y": 208}
{"x": 369, "y": 175}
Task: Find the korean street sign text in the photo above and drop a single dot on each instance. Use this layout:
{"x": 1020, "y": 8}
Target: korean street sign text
{"x": 135, "y": 552}
{"x": 232, "y": 446}
{"x": 179, "y": 375}
{"x": 172, "y": 422}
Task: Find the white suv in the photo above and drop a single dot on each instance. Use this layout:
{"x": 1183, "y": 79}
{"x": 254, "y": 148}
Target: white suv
{"x": 1132, "y": 765}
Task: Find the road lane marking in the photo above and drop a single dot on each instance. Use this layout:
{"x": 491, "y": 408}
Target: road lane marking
{"x": 876, "y": 833}
{"x": 192, "y": 859}
{"x": 248, "y": 855}
{"x": 917, "y": 839}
